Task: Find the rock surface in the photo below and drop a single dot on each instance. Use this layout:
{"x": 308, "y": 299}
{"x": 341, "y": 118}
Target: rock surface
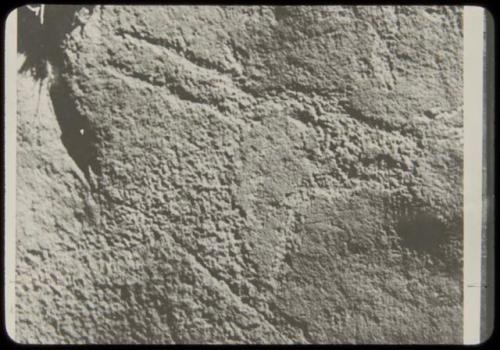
{"x": 243, "y": 175}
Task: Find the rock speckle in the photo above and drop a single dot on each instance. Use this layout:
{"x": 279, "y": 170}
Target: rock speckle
{"x": 244, "y": 175}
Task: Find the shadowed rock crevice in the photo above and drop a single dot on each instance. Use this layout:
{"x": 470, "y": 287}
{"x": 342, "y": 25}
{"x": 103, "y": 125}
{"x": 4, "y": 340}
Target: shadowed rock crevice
{"x": 40, "y": 38}
{"x": 77, "y": 134}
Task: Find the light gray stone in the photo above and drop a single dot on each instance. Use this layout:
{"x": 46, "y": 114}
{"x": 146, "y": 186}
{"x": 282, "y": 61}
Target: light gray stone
{"x": 241, "y": 175}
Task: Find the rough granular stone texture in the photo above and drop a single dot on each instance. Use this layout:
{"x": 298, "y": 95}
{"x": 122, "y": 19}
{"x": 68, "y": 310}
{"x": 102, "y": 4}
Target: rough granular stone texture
{"x": 243, "y": 175}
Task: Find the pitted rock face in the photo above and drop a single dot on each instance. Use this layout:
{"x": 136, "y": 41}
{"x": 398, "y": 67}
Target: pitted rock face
{"x": 250, "y": 175}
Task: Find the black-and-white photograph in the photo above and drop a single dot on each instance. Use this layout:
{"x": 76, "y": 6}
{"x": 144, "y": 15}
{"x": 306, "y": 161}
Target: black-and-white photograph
{"x": 238, "y": 175}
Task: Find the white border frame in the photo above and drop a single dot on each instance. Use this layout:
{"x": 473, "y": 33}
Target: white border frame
{"x": 474, "y": 45}
{"x": 10, "y": 137}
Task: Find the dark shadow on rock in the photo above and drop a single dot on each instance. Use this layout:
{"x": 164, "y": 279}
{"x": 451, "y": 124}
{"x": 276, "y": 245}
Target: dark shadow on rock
{"x": 42, "y": 44}
{"x": 426, "y": 234}
{"x": 77, "y": 135}
{"x": 421, "y": 232}
{"x": 41, "y": 41}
